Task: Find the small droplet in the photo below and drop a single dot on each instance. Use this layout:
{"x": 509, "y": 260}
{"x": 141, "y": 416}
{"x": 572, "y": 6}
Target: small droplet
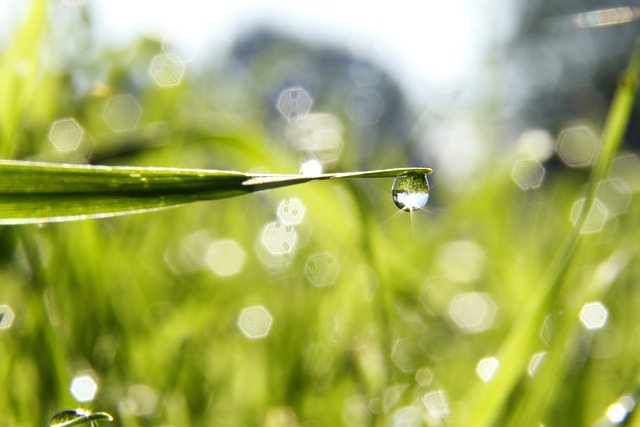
{"x": 410, "y": 191}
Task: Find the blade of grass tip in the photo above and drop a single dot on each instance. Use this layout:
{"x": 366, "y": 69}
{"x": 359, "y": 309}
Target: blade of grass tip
{"x": 487, "y": 401}
{"x": 33, "y": 192}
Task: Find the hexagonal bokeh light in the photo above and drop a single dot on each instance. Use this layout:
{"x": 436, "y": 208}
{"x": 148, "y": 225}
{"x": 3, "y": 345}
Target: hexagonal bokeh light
{"x": 255, "y": 322}
{"x": 6, "y": 317}
{"x": 472, "y": 312}
{"x": 66, "y": 134}
{"x": 322, "y": 269}
{"x": 317, "y": 136}
{"x": 593, "y": 315}
{"x": 166, "y": 70}
{"x": 596, "y": 218}
{"x": 225, "y": 257}
{"x": 577, "y": 146}
{"x": 437, "y": 405}
{"x": 535, "y": 362}
{"x": 528, "y": 174}
{"x": 291, "y": 211}
{"x": 84, "y": 387}
{"x": 626, "y": 167}
{"x": 614, "y": 195}
{"x": 279, "y": 238}
{"x": 407, "y": 354}
{"x": 487, "y": 368}
{"x": 294, "y": 103}
{"x": 122, "y": 112}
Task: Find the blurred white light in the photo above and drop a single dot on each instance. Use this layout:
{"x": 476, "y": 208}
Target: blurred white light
{"x": 166, "y": 70}
{"x": 322, "y": 269}
{"x": 626, "y": 167}
{"x": 424, "y": 376}
{"x": 487, "y": 368}
{"x": 255, "y": 322}
{"x": 408, "y": 416}
{"x": 122, "y": 112}
{"x": 66, "y": 134}
{"x": 6, "y": 317}
{"x": 593, "y": 315}
{"x": 294, "y": 103}
{"x": 534, "y": 363}
{"x": 616, "y": 412}
{"x": 437, "y": 405}
{"x": 225, "y": 257}
{"x": 528, "y": 174}
{"x": 84, "y": 387}
{"x": 311, "y": 167}
{"x": 472, "y": 312}
{"x": 291, "y": 211}
{"x": 536, "y": 144}
{"x": 595, "y": 220}
{"x": 577, "y": 146}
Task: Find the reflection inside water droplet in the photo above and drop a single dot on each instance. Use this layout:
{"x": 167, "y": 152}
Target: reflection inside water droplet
{"x": 410, "y": 191}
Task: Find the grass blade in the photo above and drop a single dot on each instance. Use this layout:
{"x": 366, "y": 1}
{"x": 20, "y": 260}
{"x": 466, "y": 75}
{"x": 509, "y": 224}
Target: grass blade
{"x": 34, "y": 192}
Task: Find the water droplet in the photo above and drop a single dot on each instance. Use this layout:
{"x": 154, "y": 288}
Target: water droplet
{"x": 410, "y": 191}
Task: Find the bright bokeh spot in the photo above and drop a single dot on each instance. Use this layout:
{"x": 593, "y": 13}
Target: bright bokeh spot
{"x": 407, "y": 416}
{"x": 317, "y": 136}
{"x": 392, "y": 396}
{"x": 487, "y": 368}
{"x": 225, "y": 257}
{"x": 593, "y": 315}
{"x": 577, "y": 146}
{"x": 279, "y": 238}
{"x": 536, "y": 144}
{"x": 437, "y": 406}
{"x": 311, "y": 167}
{"x": 122, "y": 112}
{"x": 255, "y": 322}
{"x": 291, "y": 211}
{"x": 294, "y": 103}
{"x": 66, "y": 134}
{"x": 322, "y": 269}
{"x": 617, "y": 412}
{"x": 614, "y": 195}
{"x": 84, "y": 387}
{"x": 596, "y": 218}
{"x": 534, "y": 363}
{"x": 528, "y": 174}
{"x": 627, "y": 168}
{"x": 6, "y": 317}
{"x": 166, "y": 70}
{"x": 424, "y": 376}
{"x": 407, "y": 354}
{"x": 472, "y": 312}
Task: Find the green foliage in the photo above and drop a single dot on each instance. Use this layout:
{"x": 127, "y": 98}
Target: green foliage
{"x": 144, "y": 304}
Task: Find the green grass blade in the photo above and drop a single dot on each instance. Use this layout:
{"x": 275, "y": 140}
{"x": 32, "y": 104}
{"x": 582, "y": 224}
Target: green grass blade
{"x": 32, "y": 192}
{"x": 487, "y": 402}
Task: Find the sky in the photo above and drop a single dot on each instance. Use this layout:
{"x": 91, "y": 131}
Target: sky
{"x": 425, "y": 44}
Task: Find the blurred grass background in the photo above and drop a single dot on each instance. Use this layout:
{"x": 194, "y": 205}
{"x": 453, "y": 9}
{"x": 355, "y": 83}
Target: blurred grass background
{"x": 395, "y": 339}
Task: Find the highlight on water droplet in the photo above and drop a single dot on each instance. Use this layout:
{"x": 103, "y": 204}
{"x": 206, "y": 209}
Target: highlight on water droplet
{"x": 410, "y": 191}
